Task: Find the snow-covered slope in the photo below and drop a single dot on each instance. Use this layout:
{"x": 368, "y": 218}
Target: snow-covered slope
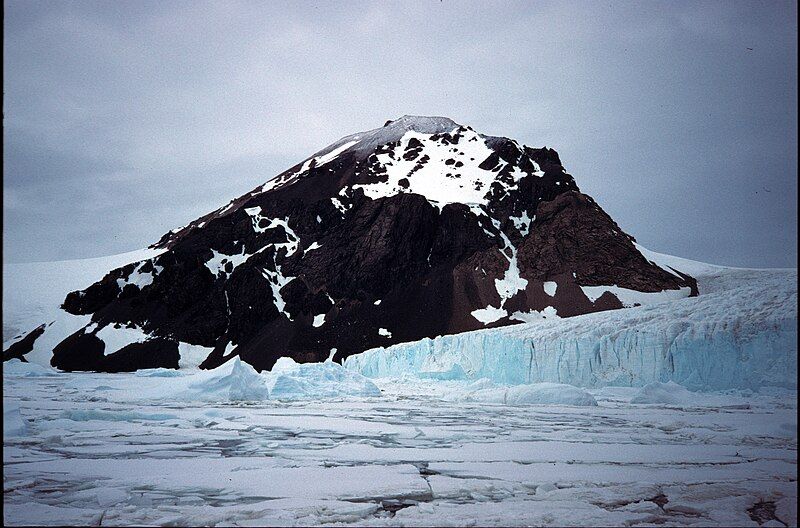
{"x": 740, "y": 332}
{"x": 33, "y": 292}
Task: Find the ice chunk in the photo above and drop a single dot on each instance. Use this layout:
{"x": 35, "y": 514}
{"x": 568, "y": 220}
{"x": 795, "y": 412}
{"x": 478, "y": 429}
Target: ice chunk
{"x": 233, "y": 381}
{"x": 13, "y": 422}
{"x": 537, "y": 393}
{"x": 453, "y": 372}
{"x": 109, "y": 496}
{"x": 159, "y": 373}
{"x": 295, "y": 381}
{"x": 665, "y": 393}
{"x": 550, "y": 288}
{"x": 85, "y": 415}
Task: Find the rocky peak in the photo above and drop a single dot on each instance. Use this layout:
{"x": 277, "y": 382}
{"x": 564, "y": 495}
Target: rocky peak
{"x": 422, "y": 227}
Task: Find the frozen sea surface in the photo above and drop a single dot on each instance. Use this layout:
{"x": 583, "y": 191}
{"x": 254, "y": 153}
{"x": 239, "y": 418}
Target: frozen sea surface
{"x": 88, "y": 448}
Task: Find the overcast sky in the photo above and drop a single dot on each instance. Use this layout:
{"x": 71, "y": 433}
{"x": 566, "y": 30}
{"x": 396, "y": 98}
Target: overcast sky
{"x": 125, "y": 119}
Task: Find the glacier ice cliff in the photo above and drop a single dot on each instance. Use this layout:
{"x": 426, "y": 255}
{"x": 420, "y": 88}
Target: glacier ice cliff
{"x": 739, "y": 333}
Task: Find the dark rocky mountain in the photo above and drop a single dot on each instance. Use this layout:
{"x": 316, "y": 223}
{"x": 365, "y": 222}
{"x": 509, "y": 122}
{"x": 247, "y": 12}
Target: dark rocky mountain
{"x": 420, "y": 228}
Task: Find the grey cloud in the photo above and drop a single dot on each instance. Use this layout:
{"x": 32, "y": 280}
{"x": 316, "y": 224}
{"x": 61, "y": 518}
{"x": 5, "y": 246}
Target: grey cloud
{"x": 126, "y": 119}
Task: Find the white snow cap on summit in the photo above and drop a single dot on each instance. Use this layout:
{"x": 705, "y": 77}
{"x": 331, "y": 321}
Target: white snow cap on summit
{"x": 470, "y": 187}
{"x": 365, "y": 142}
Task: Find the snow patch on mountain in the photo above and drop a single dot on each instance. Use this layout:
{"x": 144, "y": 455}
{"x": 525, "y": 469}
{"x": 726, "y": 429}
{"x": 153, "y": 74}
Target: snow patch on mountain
{"x": 330, "y": 156}
{"x": 439, "y": 170}
{"x": 117, "y": 337}
{"x": 534, "y": 315}
{"x": 512, "y": 281}
{"x": 139, "y": 278}
{"x": 339, "y": 205}
{"x": 292, "y": 240}
{"x": 191, "y": 356}
{"x": 276, "y": 281}
{"x": 522, "y": 223}
{"x": 218, "y": 262}
{"x": 314, "y": 245}
{"x": 630, "y": 298}
{"x": 489, "y": 314}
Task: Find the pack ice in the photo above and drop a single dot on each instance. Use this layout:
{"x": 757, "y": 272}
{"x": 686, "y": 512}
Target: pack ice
{"x": 740, "y": 332}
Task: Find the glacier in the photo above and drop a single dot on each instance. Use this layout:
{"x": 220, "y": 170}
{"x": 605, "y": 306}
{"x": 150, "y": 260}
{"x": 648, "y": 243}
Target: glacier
{"x": 739, "y": 333}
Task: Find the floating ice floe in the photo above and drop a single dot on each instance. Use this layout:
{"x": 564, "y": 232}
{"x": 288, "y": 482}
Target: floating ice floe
{"x": 669, "y": 393}
{"x": 537, "y": 393}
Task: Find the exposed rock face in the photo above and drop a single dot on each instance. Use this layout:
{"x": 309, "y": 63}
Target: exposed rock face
{"x": 18, "y": 349}
{"x": 420, "y": 228}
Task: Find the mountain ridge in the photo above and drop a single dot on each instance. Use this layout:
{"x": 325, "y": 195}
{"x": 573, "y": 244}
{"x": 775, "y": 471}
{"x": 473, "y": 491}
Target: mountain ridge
{"x": 420, "y": 228}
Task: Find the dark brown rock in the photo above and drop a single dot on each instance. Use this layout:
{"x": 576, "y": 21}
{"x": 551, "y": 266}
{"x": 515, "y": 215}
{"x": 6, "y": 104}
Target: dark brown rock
{"x": 336, "y": 252}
